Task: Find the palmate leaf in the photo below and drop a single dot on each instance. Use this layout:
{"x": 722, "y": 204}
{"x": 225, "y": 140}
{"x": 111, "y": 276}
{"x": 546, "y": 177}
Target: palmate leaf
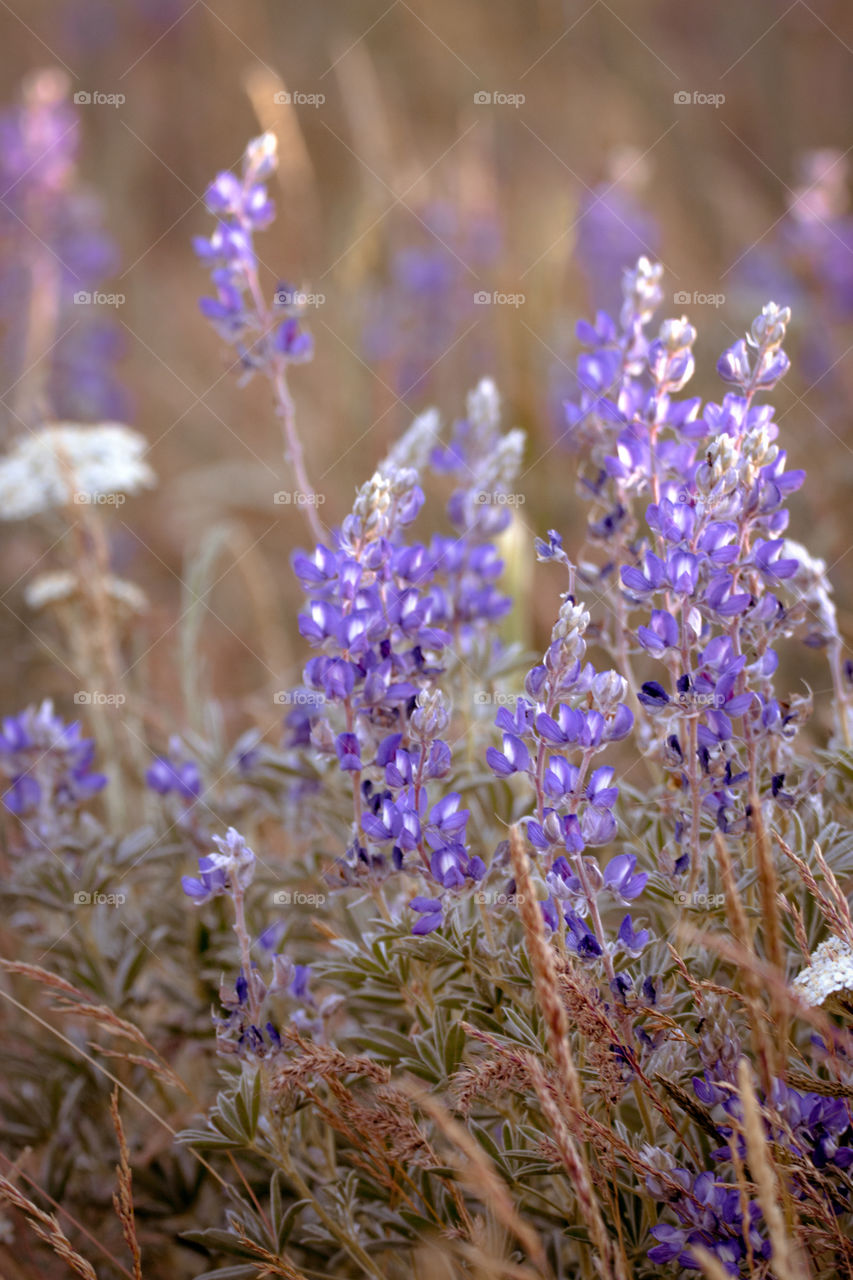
{"x": 207, "y": 1140}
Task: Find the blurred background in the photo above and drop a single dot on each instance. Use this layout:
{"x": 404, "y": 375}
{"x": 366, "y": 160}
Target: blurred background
{"x": 459, "y": 184}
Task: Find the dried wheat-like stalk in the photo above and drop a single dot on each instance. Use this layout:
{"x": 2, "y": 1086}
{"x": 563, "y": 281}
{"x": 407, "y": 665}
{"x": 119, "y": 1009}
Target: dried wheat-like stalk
{"x": 764, "y": 1047}
{"x": 73, "y": 1001}
{"x": 547, "y": 988}
{"x": 793, "y": 911}
{"x": 578, "y": 1170}
{"x": 459, "y": 1260}
{"x": 123, "y": 1198}
{"x": 544, "y": 973}
{"x": 44, "y": 976}
{"x": 712, "y": 1268}
{"x": 483, "y": 1180}
{"x": 833, "y": 905}
{"x": 786, "y": 1260}
{"x": 270, "y": 1264}
{"x": 325, "y": 1062}
{"x": 837, "y": 894}
{"x": 768, "y": 887}
{"x": 48, "y": 1229}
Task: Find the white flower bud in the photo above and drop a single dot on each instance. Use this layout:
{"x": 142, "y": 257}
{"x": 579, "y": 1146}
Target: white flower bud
{"x": 676, "y": 335}
{"x": 262, "y": 156}
{"x": 769, "y": 328}
{"x": 483, "y": 406}
{"x": 608, "y": 689}
{"x": 641, "y": 290}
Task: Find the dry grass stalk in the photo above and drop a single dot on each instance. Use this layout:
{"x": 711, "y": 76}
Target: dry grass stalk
{"x": 837, "y": 894}
{"x": 324, "y": 1062}
{"x": 578, "y": 1170}
{"x": 793, "y": 911}
{"x": 44, "y": 976}
{"x": 459, "y": 1260}
{"x": 547, "y": 989}
{"x": 712, "y": 1268}
{"x": 386, "y": 1124}
{"x": 73, "y": 1001}
{"x": 833, "y": 905}
{"x": 270, "y": 1264}
{"x": 48, "y": 1229}
{"x": 483, "y": 1180}
{"x": 123, "y": 1198}
{"x": 613, "y": 1151}
{"x": 544, "y": 973}
{"x": 768, "y": 887}
{"x": 489, "y": 1078}
{"x": 587, "y": 1011}
{"x": 382, "y": 1135}
{"x": 139, "y": 1060}
{"x": 763, "y": 1046}
{"x": 786, "y": 1261}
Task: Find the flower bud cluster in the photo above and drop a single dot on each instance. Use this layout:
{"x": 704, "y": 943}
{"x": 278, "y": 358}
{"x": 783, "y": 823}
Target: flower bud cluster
{"x": 262, "y": 334}
{"x": 712, "y": 563}
{"x": 570, "y": 714}
{"x": 382, "y": 613}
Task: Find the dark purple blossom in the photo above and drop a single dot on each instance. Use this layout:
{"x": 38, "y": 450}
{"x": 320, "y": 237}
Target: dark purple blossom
{"x": 48, "y": 768}
{"x": 169, "y": 775}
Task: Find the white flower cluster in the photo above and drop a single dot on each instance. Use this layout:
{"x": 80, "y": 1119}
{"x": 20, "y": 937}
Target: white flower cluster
{"x": 483, "y": 408}
{"x": 828, "y": 980}
{"x": 65, "y": 462}
{"x": 61, "y": 585}
{"x": 375, "y": 499}
{"x": 415, "y": 445}
{"x": 641, "y": 290}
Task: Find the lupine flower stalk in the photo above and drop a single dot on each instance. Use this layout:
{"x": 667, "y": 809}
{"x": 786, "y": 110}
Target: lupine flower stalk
{"x": 571, "y": 710}
{"x": 268, "y": 337}
{"x": 383, "y": 613}
{"x": 58, "y": 350}
{"x": 712, "y": 562}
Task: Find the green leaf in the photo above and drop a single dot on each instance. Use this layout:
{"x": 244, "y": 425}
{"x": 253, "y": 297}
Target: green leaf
{"x": 423, "y": 1226}
{"x": 247, "y": 1101}
{"x": 282, "y": 1219}
{"x": 454, "y": 1047}
{"x": 218, "y": 1241}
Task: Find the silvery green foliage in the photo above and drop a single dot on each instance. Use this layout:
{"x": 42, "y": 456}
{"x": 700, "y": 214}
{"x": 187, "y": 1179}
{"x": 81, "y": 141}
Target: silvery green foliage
{"x": 401, "y": 1015}
{"x": 424, "y": 976}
